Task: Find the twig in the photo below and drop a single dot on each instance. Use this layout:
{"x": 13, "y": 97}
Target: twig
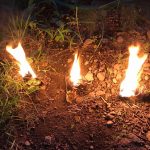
{"x": 78, "y": 25}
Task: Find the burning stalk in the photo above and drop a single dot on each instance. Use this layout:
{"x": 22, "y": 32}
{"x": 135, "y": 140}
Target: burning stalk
{"x": 130, "y": 84}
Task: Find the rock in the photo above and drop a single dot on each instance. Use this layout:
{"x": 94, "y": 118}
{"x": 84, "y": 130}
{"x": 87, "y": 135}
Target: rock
{"x": 148, "y": 34}
{"x": 109, "y": 123}
{"x": 101, "y": 76}
{"x": 114, "y": 80}
{"x": 48, "y": 139}
{"x": 89, "y": 76}
{"x": 148, "y": 135}
{"x": 27, "y": 143}
{"x": 120, "y": 39}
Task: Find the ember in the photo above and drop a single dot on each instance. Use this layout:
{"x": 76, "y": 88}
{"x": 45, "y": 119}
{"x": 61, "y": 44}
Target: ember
{"x": 19, "y": 54}
{"x": 131, "y": 82}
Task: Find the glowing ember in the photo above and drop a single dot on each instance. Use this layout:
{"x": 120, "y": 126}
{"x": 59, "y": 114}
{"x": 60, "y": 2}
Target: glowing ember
{"x": 19, "y": 54}
{"x": 131, "y": 82}
{"x": 75, "y": 72}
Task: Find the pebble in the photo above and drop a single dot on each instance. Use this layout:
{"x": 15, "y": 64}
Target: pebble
{"x": 116, "y": 66}
{"x": 86, "y": 63}
{"x": 148, "y": 116}
{"x": 101, "y": 76}
{"x": 124, "y": 141}
{"x": 89, "y": 76}
{"x": 148, "y": 135}
{"x": 118, "y": 77}
{"x": 134, "y": 138}
{"x": 27, "y": 143}
{"x": 114, "y": 80}
{"x": 109, "y": 117}
{"x": 99, "y": 93}
{"x": 48, "y": 139}
{"x": 69, "y": 60}
{"x": 120, "y": 39}
{"x": 109, "y": 123}
{"x": 146, "y": 78}
{"x": 87, "y": 42}
{"x": 91, "y": 147}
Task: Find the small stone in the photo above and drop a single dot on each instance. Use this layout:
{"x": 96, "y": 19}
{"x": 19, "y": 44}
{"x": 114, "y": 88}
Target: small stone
{"x": 48, "y": 139}
{"x": 101, "y": 76}
{"x": 79, "y": 100}
{"x": 89, "y": 76}
{"x": 91, "y": 147}
{"x": 109, "y": 117}
{"x": 114, "y": 80}
{"x": 99, "y": 93}
{"x": 90, "y": 68}
{"x": 86, "y": 63}
{"x": 87, "y": 42}
{"x": 120, "y": 39}
{"x": 95, "y": 60}
{"x": 77, "y": 119}
{"x": 124, "y": 141}
{"x": 109, "y": 123}
{"x": 116, "y": 66}
{"x": 148, "y": 116}
{"x": 113, "y": 91}
{"x": 27, "y": 143}
{"x": 112, "y": 113}
{"x": 118, "y": 77}
{"x": 148, "y": 34}
{"x": 134, "y": 138}
{"x": 148, "y": 135}
{"x": 69, "y": 60}
{"x": 146, "y": 78}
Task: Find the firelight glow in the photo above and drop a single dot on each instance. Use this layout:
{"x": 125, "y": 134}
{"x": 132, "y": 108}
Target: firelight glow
{"x": 131, "y": 82}
{"x": 19, "y": 54}
{"x": 75, "y": 72}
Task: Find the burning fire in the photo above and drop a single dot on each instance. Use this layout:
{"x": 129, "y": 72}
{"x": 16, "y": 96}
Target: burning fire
{"x": 19, "y": 54}
{"x": 75, "y": 71}
{"x": 131, "y": 82}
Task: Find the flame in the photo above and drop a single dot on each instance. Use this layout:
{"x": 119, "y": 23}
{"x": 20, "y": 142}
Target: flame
{"x": 19, "y": 54}
{"x": 131, "y": 82}
{"x": 75, "y": 71}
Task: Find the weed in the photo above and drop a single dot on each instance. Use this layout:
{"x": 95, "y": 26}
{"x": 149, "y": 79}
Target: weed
{"x": 18, "y": 26}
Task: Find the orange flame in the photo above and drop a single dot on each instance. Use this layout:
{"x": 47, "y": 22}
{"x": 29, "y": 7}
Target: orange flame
{"x": 19, "y": 54}
{"x": 75, "y": 72}
{"x": 131, "y": 82}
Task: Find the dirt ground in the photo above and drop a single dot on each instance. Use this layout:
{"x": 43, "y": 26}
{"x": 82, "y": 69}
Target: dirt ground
{"x": 99, "y": 119}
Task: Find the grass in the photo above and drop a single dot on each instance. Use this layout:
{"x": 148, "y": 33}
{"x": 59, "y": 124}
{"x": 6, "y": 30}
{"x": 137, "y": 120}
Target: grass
{"x": 18, "y": 26}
